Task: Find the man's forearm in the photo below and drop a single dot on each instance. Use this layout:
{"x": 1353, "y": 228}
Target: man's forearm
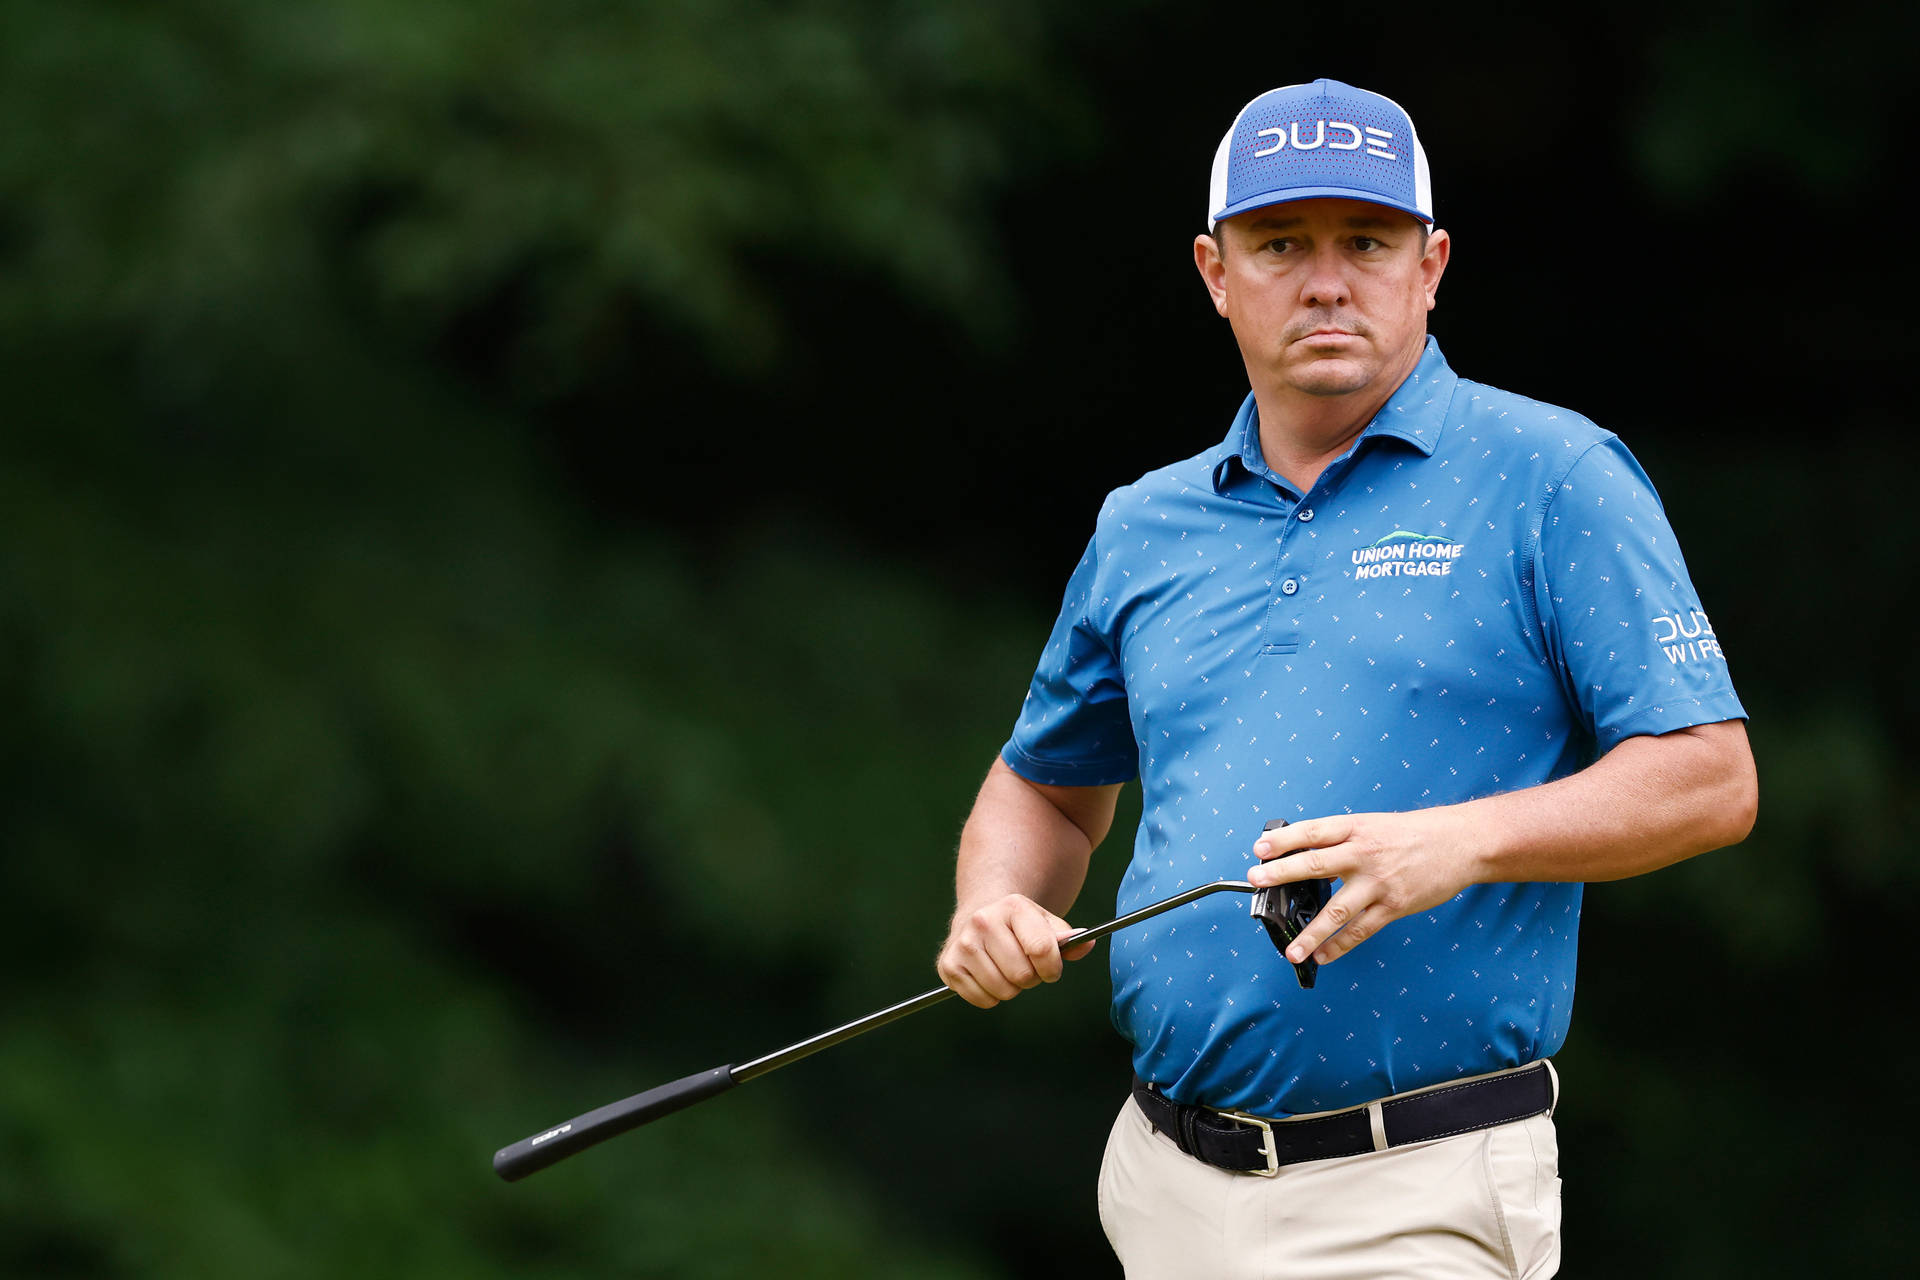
{"x": 1646, "y": 804}
{"x": 1023, "y": 857}
{"x": 1018, "y": 840}
{"x": 1649, "y": 802}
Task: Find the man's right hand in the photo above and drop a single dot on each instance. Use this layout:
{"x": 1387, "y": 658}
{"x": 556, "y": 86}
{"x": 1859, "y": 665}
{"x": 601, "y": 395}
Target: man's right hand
{"x": 996, "y": 951}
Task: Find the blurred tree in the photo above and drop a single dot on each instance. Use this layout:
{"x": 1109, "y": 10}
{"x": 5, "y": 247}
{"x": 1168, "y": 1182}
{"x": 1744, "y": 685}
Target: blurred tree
{"x": 202, "y": 166}
{"x": 1756, "y": 97}
{"x": 328, "y": 720}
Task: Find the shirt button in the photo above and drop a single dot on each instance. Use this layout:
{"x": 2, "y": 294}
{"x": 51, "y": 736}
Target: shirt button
{"x": 1288, "y": 587}
{"x": 1306, "y": 514}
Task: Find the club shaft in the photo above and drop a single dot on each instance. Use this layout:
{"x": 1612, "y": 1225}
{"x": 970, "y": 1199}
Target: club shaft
{"x": 927, "y": 999}
{"x": 552, "y": 1145}
{"x": 839, "y": 1035}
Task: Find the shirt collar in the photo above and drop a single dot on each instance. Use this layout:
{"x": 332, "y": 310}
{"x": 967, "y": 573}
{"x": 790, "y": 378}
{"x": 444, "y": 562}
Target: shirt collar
{"x": 1414, "y": 413}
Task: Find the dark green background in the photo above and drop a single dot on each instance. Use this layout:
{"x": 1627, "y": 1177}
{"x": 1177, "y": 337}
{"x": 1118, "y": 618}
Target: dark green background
{"x": 522, "y": 524}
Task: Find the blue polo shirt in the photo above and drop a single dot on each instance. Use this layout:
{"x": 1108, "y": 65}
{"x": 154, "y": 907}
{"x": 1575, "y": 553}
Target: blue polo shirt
{"x": 1482, "y": 594}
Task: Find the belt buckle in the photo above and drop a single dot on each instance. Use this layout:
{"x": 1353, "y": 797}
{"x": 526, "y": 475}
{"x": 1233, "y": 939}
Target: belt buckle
{"x": 1266, "y": 1147}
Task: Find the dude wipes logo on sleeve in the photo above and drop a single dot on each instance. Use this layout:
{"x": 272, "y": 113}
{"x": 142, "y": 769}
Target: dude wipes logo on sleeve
{"x": 1406, "y": 554}
{"x": 1685, "y": 635}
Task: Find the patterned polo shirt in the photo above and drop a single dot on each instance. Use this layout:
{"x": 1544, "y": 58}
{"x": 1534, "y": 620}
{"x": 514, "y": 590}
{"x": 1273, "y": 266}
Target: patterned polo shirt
{"x": 1482, "y": 594}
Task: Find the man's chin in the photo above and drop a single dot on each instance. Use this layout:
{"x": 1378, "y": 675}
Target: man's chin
{"x": 1331, "y": 377}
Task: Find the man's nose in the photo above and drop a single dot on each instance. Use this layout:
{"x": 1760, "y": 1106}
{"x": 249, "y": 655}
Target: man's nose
{"x": 1326, "y": 284}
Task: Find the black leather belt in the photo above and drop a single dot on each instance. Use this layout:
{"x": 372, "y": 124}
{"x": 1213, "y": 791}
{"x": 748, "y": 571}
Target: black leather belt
{"x": 1242, "y": 1143}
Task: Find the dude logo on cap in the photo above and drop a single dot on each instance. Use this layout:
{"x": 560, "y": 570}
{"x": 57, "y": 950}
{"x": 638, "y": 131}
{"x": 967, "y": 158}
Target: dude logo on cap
{"x": 1320, "y": 139}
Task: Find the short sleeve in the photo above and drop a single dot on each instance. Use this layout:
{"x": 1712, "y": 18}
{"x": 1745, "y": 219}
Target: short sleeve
{"x": 1638, "y": 653}
{"x": 1074, "y": 730}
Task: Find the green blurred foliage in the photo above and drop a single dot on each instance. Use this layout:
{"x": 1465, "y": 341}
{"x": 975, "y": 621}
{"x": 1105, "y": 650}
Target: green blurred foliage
{"x": 1757, "y": 96}
{"x": 188, "y": 168}
{"x": 339, "y": 747}
{"x": 306, "y": 807}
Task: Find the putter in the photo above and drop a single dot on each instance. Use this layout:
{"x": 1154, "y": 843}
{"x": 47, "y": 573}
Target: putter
{"x": 550, "y": 1146}
{"x": 1286, "y": 909}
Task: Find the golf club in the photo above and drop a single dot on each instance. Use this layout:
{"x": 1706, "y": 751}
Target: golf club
{"x": 554, "y": 1144}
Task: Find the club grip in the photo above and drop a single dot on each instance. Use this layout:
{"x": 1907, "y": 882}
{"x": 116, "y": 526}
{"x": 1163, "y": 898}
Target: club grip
{"x": 550, "y": 1146}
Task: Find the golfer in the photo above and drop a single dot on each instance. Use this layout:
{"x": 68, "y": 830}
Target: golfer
{"x": 1446, "y": 632}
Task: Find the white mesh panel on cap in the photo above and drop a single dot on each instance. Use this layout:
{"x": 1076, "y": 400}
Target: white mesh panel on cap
{"x": 1422, "y": 180}
{"x": 1217, "y": 186}
{"x": 1217, "y": 182}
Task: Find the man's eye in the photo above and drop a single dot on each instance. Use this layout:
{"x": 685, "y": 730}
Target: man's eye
{"x": 1365, "y": 244}
{"x": 1279, "y": 246}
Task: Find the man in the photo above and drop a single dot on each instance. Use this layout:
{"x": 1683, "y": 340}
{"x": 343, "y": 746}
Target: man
{"x": 1446, "y": 633}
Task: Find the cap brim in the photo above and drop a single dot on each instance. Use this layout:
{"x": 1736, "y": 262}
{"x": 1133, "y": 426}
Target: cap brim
{"x": 1292, "y": 194}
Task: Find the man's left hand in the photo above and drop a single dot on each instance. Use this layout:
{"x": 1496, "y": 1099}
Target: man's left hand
{"x": 1393, "y": 865}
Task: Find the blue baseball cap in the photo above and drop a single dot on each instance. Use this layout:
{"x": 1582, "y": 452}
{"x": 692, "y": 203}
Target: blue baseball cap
{"x": 1320, "y": 139}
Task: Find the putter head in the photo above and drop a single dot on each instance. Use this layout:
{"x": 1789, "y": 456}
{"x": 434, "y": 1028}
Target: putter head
{"x": 1287, "y": 909}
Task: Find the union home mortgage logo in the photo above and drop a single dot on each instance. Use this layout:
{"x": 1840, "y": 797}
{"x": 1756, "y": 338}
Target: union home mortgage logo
{"x": 1406, "y": 554}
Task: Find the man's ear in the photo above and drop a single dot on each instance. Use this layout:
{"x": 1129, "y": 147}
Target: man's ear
{"x": 1213, "y": 270}
{"x": 1434, "y": 264}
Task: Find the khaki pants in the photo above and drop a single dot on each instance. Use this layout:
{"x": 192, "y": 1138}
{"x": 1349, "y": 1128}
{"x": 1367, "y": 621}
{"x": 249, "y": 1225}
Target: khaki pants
{"x": 1483, "y": 1204}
